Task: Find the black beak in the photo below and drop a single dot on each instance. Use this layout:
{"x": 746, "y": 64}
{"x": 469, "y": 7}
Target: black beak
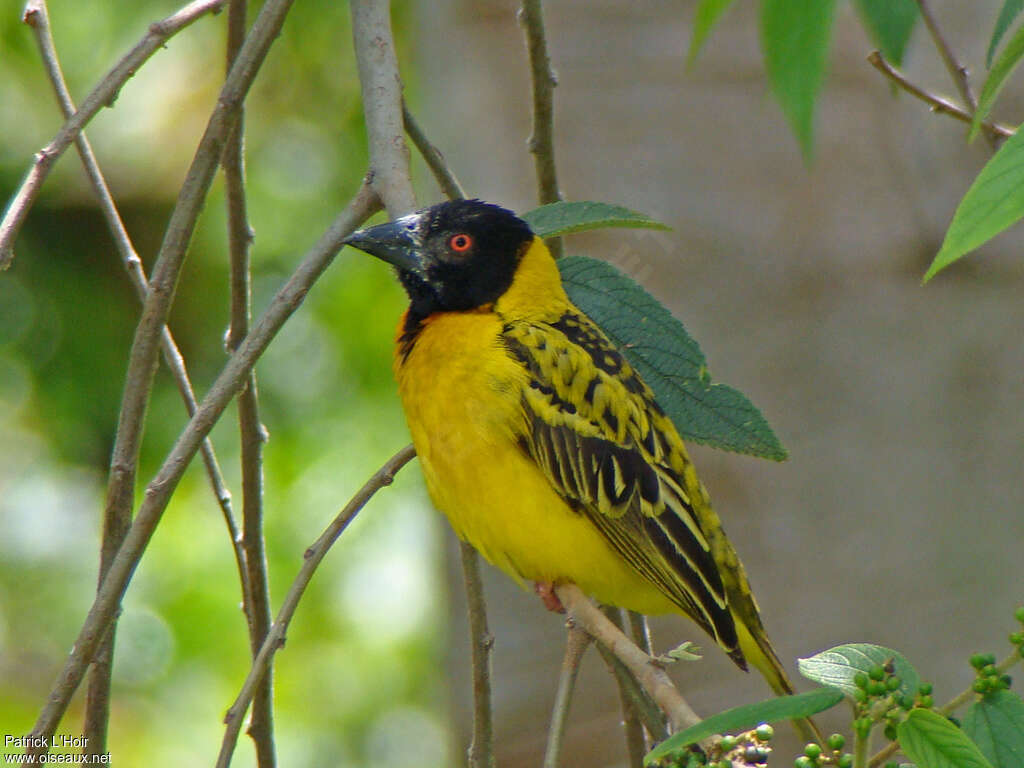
{"x": 396, "y": 242}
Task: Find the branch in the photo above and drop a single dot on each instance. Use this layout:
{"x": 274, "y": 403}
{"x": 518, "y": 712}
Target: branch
{"x": 432, "y": 156}
{"x": 275, "y": 638}
{"x": 381, "y": 88}
{"x": 102, "y": 95}
{"x": 252, "y": 434}
{"x": 481, "y": 748}
{"x": 648, "y": 672}
{"x": 576, "y": 643}
{"x": 542, "y": 142}
{"x": 636, "y": 743}
{"x": 937, "y": 103}
{"x": 231, "y": 378}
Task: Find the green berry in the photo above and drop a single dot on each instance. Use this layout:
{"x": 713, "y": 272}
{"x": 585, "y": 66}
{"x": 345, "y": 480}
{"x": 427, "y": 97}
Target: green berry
{"x": 860, "y": 680}
{"x": 813, "y": 751}
{"x": 860, "y": 695}
{"x": 876, "y": 673}
{"x": 925, "y": 689}
{"x": 1016, "y": 638}
{"x": 977, "y": 660}
{"x": 926, "y": 702}
{"x": 893, "y": 683}
{"x": 803, "y": 762}
{"x": 764, "y": 732}
{"x": 876, "y": 688}
{"x": 989, "y": 670}
{"x": 980, "y": 685}
{"x": 846, "y": 761}
{"x": 836, "y": 741}
{"x": 1019, "y": 614}
{"x": 890, "y": 732}
{"x": 1006, "y": 680}
{"x": 727, "y": 744}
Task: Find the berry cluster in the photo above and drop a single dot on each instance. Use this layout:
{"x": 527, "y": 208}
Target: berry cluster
{"x": 878, "y": 699}
{"x": 989, "y": 679}
{"x": 815, "y": 757}
{"x": 747, "y": 748}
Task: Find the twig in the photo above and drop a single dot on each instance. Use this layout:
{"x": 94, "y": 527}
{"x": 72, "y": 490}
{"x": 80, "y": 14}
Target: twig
{"x": 948, "y": 708}
{"x": 231, "y": 378}
{"x": 956, "y": 70}
{"x": 937, "y": 103}
{"x": 381, "y": 88}
{"x": 640, "y": 700}
{"x": 102, "y": 95}
{"x": 432, "y": 156}
{"x": 636, "y": 743}
{"x": 542, "y": 139}
{"x": 647, "y": 671}
{"x": 576, "y": 643}
{"x": 252, "y": 434}
{"x": 481, "y": 748}
{"x": 275, "y": 638}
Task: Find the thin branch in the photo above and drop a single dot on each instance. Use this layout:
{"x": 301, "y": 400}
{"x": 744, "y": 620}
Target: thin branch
{"x": 938, "y": 104}
{"x": 230, "y": 380}
{"x": 432, "y": 156}
{"x": 252, "y": 434}
{"x": 102, "y": 95}
{"x": 652, "y": 717}
{"x": 481, "y": 748}
{"x": 636, "y": 742}
{"x": 948, "y": 708}
{"x": 275, "y": 638}
{"x": 542, "y": 139}
{"x": 647, "y": 670}
{"x": 381, "y": 88}
{"x": 576, "y": 643}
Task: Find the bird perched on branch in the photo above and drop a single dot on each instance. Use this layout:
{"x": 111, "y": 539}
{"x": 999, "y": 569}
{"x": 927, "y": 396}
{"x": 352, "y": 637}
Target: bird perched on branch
{"x": 544, "y": 448}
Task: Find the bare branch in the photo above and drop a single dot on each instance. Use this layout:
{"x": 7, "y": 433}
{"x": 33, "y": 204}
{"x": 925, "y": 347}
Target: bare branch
{"x": 636, "y": 742}
{"x": 648, "y": 672}
{"x": 102, "y": 95}
{"x": 576, "y": 643}
{"x": 481, "y": 748}
{"x": 252, "y": 434}
{"x": 938, "y": 104}
{"x": 275, "y": 638}
{"x": 381, "y": 88}
{"x": 432, "y": 156}
{"x": 542, "y": 140}
{"x": 230, "y": 380}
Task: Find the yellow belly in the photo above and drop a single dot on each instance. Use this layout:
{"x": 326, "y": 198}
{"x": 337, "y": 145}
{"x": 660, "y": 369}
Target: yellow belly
{"x": 460, "y": 392}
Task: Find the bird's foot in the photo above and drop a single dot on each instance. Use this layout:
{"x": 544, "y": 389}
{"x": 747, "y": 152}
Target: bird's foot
{"x": 546, "y": 590}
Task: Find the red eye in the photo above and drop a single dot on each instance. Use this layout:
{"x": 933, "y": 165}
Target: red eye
{"x": 460, "y": 243}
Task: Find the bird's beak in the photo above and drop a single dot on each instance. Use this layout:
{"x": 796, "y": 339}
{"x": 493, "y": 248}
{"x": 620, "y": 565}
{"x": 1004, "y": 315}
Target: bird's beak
{"x": 396, "y": 242}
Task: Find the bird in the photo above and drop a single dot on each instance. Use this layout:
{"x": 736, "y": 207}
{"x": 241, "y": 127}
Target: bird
{"x": 542, "y": 445}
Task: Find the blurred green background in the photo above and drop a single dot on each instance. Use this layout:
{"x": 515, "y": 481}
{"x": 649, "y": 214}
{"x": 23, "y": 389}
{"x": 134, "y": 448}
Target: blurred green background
{"x": 896, "y": 519}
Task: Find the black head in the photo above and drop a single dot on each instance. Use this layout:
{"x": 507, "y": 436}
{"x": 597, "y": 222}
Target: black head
{"x": 452, "y": 256}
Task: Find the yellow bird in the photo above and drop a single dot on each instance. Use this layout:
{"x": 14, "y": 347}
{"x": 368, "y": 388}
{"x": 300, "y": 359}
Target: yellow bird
{"x": 540, "y": 443}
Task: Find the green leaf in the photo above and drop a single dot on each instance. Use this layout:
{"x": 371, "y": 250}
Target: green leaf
{"x": 932, "y": 741}
{"x": 889, "y": 22}
{"x": 749, "y": 716}
{"x": 1010, "y": 10}
{"x": 557, "y": 219}
{"x": 707, "y": 15}
{"x": 837, "y": 666}
{"x": 795, "y": 36}
{"x": 994, "y": 202}
{"x": 1005, "y": 64}
{"x": 669, "y": 360}
{"x": 996, "y": 725}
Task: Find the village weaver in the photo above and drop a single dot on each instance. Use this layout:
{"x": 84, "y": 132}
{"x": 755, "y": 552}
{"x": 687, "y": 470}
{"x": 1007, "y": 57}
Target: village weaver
{"x": 540, "y": 443}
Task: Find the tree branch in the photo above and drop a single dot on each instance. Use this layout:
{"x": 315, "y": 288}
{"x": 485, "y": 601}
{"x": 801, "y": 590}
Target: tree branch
{"x": 102, "y": 95}
{"x": 542, "y": 139}
{"x": 275, "y": 638}
{"x": 648, "y": 672}
{"x": 576, "y": 643}
{"x": 938, "y": 104}
{"x": 432, "y": 156}
{"x": 636, "y": 742}
{"x": 252, "y": 434}
{"x": 381, "y": 88}
{"x": 481, "y": 748}
{"x": 231, "y": 378}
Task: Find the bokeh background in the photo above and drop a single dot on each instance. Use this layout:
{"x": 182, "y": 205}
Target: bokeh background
{"x": 897, "y": 518}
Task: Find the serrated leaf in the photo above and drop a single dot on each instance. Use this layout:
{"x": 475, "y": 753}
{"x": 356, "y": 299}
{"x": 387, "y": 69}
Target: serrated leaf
{"x": 996, "y": 725}
{"x": 704, "y": 19}
{"x": 795, "y": 37}
{"x": 997, "y": 75}
{"x": 837, "y": 666}
{"x": 931, "y": 740}
{"x": 993, "y": 203}
{"x": 796, "y": 707}
{"x": 668, "y": 359}
{"x": 563, "y": 218}
{"x": 889, "y": 23}
{"x": 1010, "y": 10}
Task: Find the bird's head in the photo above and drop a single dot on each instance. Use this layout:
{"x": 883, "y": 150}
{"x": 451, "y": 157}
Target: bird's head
{"x": 450, "y": 257}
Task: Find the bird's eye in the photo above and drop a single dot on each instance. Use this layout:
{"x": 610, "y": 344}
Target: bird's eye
{"x": 460, "y": 243}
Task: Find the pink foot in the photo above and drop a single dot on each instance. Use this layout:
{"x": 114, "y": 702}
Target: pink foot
{"x": 546, "y": 590}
